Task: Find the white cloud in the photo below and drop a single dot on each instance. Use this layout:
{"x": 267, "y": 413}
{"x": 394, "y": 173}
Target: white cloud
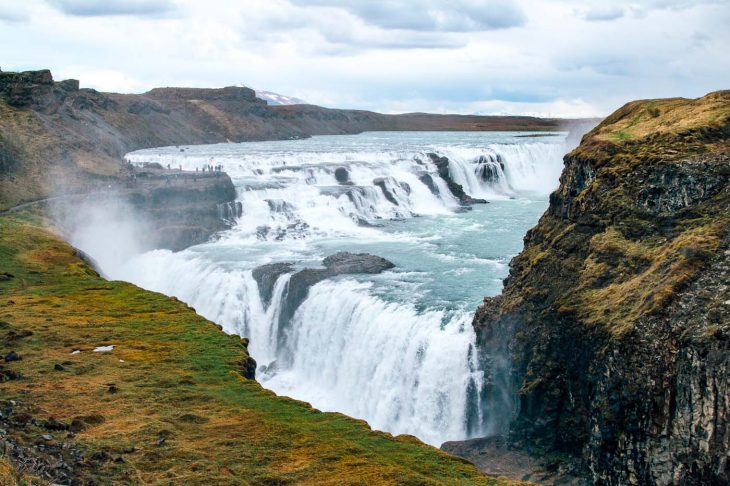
{"x": 604, "y": 13}
{"x": 104, "y": 79}
{"x": 13, "y": 13}
{"x": 96, "y": 8}
{"x": 430, "y": 15}
{"x": 344, "y": 56}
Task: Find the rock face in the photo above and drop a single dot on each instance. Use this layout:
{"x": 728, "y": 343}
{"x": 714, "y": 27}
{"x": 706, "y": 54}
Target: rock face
{"x": 183, "y": 208}
{"x": 615, "y": 318}
{"x": 442, "y": 164}
{"x": 35, "y": 89}
{"x": 338, "y": 264}
{"x": 266, "y": 277}
{"x": 173, "y": 209}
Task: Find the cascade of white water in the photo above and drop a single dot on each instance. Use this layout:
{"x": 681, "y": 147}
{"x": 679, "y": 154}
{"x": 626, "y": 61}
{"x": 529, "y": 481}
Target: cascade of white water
{"x": 402, "y": 369}
{"x": 404, "y": 366}
{"x": 292, "y": 195}
{"x": 505, "y": 169}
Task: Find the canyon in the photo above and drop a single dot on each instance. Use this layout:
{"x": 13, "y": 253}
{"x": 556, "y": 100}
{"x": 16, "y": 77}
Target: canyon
{"x": 604, "y": 357}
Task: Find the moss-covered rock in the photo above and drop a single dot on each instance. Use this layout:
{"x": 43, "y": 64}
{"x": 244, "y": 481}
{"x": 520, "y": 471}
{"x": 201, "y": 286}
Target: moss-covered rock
{"x": 615, "y": 314}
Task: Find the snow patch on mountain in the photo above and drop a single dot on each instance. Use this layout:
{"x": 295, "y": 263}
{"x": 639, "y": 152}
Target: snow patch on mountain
{"x": 277, "y": 99}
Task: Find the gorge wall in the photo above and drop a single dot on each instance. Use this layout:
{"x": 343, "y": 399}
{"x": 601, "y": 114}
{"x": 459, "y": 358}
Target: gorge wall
{"x": 616, "y": 315}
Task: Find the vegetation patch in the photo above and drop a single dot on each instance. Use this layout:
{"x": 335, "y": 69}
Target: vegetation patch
{"x": 168, "y": 404}
{"x": 623, "y": 280}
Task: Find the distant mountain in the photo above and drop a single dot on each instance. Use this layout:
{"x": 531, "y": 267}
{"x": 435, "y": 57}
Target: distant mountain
{"x": 275, "y": 99}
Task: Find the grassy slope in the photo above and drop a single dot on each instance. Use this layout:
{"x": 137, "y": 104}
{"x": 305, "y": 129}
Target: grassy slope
{"x": 179, "y": 379}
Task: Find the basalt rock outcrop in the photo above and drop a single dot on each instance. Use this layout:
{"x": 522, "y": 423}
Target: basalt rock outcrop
{"x": 169, "y": 209}
{"x": 615, "y": 318}
{"x": 442, "y": 165}
{"x": 338, "y": 264}
{"x": 184, "y": 208}
{"x": 300, "y": 282}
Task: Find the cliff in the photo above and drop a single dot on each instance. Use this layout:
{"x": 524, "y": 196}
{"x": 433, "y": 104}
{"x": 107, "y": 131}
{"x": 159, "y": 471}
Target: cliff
{"x": 55, "y": 136}
{"x": 106, "y": 383}
{"x": 615, "y": 318}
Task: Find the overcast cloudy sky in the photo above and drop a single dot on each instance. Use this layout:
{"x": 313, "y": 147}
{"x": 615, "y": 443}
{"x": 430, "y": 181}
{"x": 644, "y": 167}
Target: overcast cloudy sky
{"x": 558, "y": 57}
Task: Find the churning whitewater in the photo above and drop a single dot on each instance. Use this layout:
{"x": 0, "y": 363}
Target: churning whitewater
{"x": 394, "y": 348}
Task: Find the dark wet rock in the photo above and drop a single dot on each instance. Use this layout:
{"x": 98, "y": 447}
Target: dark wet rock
{"x": 346, "y": 262}
{"x": 498, "y": 457}
{"x": 388, "y": 185}
{"x": 342, "y": 175}
{"x": 338, "y": 264}
{"x": 490, "y": 168}
{"x": 428, "y": 182}
{"x": 266, "y": 277}
{"x": 248, "y": 368}
{"x": 442, "y": 165}
{"x": 12, "y": 356}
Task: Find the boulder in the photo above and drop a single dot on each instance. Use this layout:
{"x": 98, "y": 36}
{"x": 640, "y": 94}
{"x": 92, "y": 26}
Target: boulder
{"x": 342, "y": 175}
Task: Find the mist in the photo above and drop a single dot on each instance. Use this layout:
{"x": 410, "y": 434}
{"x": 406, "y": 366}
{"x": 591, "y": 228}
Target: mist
{"x": 105, "y": 227}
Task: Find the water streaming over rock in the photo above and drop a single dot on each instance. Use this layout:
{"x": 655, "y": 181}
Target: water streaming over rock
{"x": 396, "y": 348}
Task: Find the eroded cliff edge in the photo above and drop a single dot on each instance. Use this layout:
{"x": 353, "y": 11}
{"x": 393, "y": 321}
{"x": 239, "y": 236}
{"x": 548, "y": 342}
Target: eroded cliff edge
{"x": 616, "y": 315}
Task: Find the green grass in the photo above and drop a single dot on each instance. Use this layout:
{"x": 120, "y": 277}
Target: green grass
{"x": 179, "y": 376}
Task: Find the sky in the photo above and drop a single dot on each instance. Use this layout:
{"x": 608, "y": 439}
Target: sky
{"x": 561, "y": 58}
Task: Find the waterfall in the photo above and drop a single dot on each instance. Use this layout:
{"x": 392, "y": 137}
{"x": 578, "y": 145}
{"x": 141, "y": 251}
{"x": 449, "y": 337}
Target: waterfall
{"x": 499, "y": 170}
{"x": 358, "y": 345}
